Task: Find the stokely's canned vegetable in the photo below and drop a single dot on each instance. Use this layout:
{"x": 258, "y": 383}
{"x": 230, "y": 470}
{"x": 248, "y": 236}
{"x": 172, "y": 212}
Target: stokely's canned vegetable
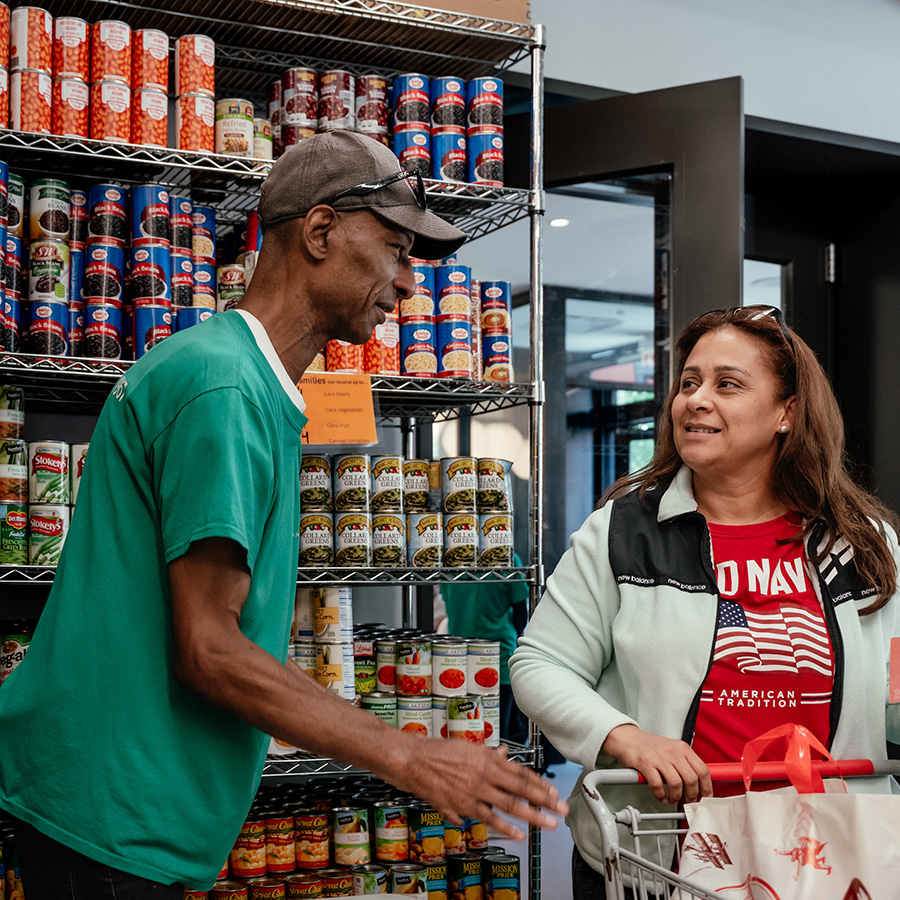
{"x": 13, "y": 531}
{"x": 47, "y": 529}
{"x": 332, "y": 609}
{"x": 389, "y": 540}
{"x": 48, "y": 472}
{"x": 414, "y": 668}
{"x": 350, "y": 827}
{"x": 382, "y": 705}
{"x": 411, "y": 878}
{"x": 426, "y": 833}
{"x": 315, "y": 482}
{"x": 352, "y": 482}
{"x": 483, "y": 666}
{"x": 495, "y": 539}
{"x": 391, "y": 831}
{"x": 448, "y": 666}
{"x": 248, "y": 856}
{"x": 353, "y": 539}
{"x": 316, "y": 539}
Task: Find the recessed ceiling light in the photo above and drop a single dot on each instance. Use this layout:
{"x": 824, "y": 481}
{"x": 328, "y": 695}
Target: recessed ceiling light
{"x": 559, "y": 223}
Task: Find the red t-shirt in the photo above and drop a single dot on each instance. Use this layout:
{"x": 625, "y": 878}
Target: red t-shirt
{"x": 773, "y": 662}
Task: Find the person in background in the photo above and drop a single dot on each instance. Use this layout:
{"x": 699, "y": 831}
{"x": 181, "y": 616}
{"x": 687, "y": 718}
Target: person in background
{"x": 740, "y": 581}
{"x": 495, "y": 611}
{"x": 142, "y": 711}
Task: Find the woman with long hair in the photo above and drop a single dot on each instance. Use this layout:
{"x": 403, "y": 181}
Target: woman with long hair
{"x": 740, "y": 581}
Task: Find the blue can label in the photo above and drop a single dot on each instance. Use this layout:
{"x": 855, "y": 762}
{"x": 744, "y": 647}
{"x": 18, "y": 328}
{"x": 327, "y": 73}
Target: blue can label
{"x": 454, "y": 347}
{"x": 412, "y": 101}
{"x": 182, "y": 280}
{"x": 152, "y": 324}
{"x": 102, "y": 331}
{"x": 4, "y": 193}
{"x": 11, "y": 324}
{"x": 453, "y": 291}
{"x": 181, "y": 220}
{"x": 417, "y": 348}
{"x": 14, "y": 266}
{"x": 203, "y": 234}
{"x": 496, "y": 307}
{"x": 106, "y": 215}
{"x": 485, "y": 153}
{"x": 204, "y": 285}
{"x": 496, "y": 357}
{"x": 150, "y": 215}
{"x": 191, "y": 315}
{"x": 48, "y": 328}
{"x": 448, "y": 102}
{"x": 76, "y": 327}
{"x": 104, "y": 273}
{"x": 77, "y": 263}
{"x": 78, "y": 220}
{"x": 412, "y": 146}
{"x": 484, "y": 106}
{"x": 422, "y": 301}
{"x": 151, "y": 275}
{"x": 448, "y": 155}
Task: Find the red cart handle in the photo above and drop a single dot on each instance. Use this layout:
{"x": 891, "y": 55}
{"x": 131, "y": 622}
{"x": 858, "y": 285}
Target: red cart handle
{"x": 777, "y": 771}
{"x": 797, "y": 759}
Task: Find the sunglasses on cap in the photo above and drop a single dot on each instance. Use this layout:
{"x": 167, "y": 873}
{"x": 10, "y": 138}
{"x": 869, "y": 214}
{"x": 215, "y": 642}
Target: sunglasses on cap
{"x": 753, "y": 314}
{"x": 413, "y": 179}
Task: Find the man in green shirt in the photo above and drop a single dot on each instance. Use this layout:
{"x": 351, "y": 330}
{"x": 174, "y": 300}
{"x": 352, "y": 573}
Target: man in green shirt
{"x": 135, "y": 731}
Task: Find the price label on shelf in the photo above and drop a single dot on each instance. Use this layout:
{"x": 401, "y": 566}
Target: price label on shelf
{"x": 339, "y": 409}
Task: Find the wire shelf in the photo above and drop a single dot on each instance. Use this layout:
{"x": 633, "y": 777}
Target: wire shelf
{"x": 303, "y": 765}
{"x": 26, "y": 575}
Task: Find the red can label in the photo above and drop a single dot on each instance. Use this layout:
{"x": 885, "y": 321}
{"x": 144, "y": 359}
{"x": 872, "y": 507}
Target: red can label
{"x": 71, "y": 100}
{"x": 31, "y": 101}
{"x": 299, "y": 98}
{"x": 371, "y": 104}
{"x": 150, "y": 60}
{"x": 111, "y": 111}
{"x": 111, "y": 52}
{"x": 71, "y": 49}
{"x": 31, "y": 39}
{"x": 150, "y": 118}
{"x": 195, "y": 121}
{"x": 337, "y": 101}
{"x": 4, "y": 97}
{"x": 195, "y": 61}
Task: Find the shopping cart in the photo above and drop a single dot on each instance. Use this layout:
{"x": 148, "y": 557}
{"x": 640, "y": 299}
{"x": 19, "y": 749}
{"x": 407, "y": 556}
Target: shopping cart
{"x": 651, "y": 831}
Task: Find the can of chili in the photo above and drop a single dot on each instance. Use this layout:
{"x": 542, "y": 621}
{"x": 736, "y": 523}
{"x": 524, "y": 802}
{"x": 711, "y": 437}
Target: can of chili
{"x": 47, "y": 529}
{"x": 182, "y": 286}
{"x": 195, "y": 121}
{"x": 195, "y": 65}
{"x": 150, "y": 117}
{"x": 31, "y": 100}
{"x": 31, "y": 39}
{"x": 71, "y": 48}
{"x": 50, "y": 205}
{"x": 150, "y": 60}
{"x": 337, "y": 101}
{"x": 13, "y": 528}
{"x": 111, "y": 51}
{"x": 111, "y": 111}
{"x": 344, "y": 358}
{"x": 106, "y": 215}
{"x": 152, "y": 324}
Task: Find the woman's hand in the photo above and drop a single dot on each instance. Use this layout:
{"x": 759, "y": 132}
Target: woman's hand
{"x": 672, "y": 769}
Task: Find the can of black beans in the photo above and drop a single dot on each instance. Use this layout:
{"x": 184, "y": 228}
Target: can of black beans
{"x": 191, "y": 315}
{"x": 11, "y": 325}
{"x": 412, "y": 146}
{"x": 102, "y": 331}
{"x": 14, "y": 260}
{"x": 77, "y": 265}
{"x": 49, "y": 210}
{"x": 48, "y": 279}
{"x": 182, "y": 286}
{"x": 150, "y": 216}
{"x": 151, "y": 276}
{"x": 448, "y": 154}
{"x": 76, "y": 327}
{"x": 48, "y": 328}
{"x": 78, "y": 220}
{"x": 448, "y": 103}
{"x": 152, "y": 324}
{"x": 485, "y": 155}
{"x": 181, "y": 220}
{"x": 104, "y": 275}
{"x": 484, "y": 106}
{"x": 412, "y": 101}
{"x": 106, "y": 215}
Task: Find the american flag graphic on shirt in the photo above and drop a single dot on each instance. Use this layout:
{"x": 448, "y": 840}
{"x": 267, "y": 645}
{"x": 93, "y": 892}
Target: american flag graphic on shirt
{"x": 789, "y": 639}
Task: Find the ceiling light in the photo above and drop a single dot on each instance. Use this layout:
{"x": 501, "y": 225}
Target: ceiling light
{"x": 559, "y": 223}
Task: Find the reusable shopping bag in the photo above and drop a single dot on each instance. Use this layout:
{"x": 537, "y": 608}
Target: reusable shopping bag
{"x": 804, "y": 842}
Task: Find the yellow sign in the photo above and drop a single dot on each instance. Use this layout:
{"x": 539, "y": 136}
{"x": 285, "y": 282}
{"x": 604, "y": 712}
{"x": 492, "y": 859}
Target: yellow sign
{"x": 339, "y": 409}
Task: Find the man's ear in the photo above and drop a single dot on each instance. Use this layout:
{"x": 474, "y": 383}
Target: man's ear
{"x": 316, "y": 229}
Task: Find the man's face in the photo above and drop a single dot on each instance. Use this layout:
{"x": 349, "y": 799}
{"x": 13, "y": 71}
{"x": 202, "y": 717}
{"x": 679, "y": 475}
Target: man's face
{"x": 373, "y": 271}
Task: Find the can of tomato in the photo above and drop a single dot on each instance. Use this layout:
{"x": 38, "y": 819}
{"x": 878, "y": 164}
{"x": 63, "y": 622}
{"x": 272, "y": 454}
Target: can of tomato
{"x": 495, "y": 540}
{"x": 195, "y": 65}
{"x": 483, "y": 666}
{"x": 111, "y": 111}
{"x": 337, "y": 101}
{"x": 150, "y": 117}
{"x": 71, "y": 48}
{"x": 195, "y": 123}
{"x": 102, "y": 331}
{"x": 344, "y": 358}
{"x": 350, "y": 828}
{"x": 426, "y": 833}
{"x": 491, "y": 710}
{"x": 389, "y": 540}
{"x": 332, "y": 614}
{"x": 31, "y": 100}
{"x": 303, "y": 887}
{"x": 372, "y": 111}
{"x": 182, "y": 282}
{"x": 448, "y": 667}
{"x": 150, "y": 60}
{"x": 413, "y": 668}
{"x": 386, "y": 666}
{"x": 382, "y": 705}
{"x": 47, "y": 529}
{"x": 50, "y": 206}
{"x": 31, "y": 39}
{"x": 111, "y": 51}
{"x": 425, "y": 539}
{"x": 391, "y": 831}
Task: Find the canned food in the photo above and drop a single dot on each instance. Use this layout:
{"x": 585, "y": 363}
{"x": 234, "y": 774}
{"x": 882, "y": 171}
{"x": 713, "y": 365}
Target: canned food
{"x": 48, "y": 472}
{"x": 364, "y": 664}
{"x": 31, "y": 100}
{"x": 496, "y": 307}
{"x": 106, "y": 215}
{"x": 248, "y": 856}
{"x": 334, "y": 668}
{"x": 49, "y": 217}
{"x": 150, "y": 117}
{"x": 448, "y": 103}
{"x": 315, "y": 482}
{"x": 412, "y": 146}
{"x": 71, "y": 48}
{"x": 414, "y": 668}
{"x": 48, "y": 279}
{"x": 78, "y": 219}
{"x": 31, "y": 39}
{"x": 234, "y": 127}
{"x": 382, "y": 705}
{"x": 70, "y": 113}
{"x": 48, "y": 328}
{"x": 435, "y": 497}
{"x": 439, "y": 716}
{"x": 484, "y": 105}
{"x": 386, "y": 665}
{"x": 230, "y": 286}
{"x": 150, "y": 216}
{"x": 303, "y": 887}
{"x": 388, "y": 540}
{"x": 448, "y": 666}
{"x": 304, "y": 657}
{"x": 410, "y": 878}
{"x": 415, "y": 486}
{"x": 318, "y": 364}
{"x": 418, "y": 350}
{"x": 280, "y": 853}
{"x": 111, "y": 52}
{"x": 291, "y": 135}
{"x": 195, "y": 65}
{"x": 195, "y": 121}
{"x": 228, "y": 890}
{"x": 299, "y": 98}
{"x": 102, "y": 331}
{"x": 203, "y": 241}
{"x": 302, "y": 628}
{"x": 369, "y": 879}
{"x": 152, "y": 324}
{"x": 460, "y": 539}
{"x": 496, "y": 358}
{"x": 483, "y": 666}
{"x": 453, "y": 291}
{"x": 381, "y": 353}
{"x": 191, "y": 315}
{"x": 437, "y": 881}
{"x": 372, "y": 111}
{"x": 387, "y": 483}
{"x": 251, "y": 236}
{"x": 47, "y": 529}
{"x": 454, "y": 840}
{"x": 344, "y": 358}
{"x": 491, "y": 712}
{"x": 495, "y": 539}
{"x": 494, "y": 480}
{"x": 13, "y": 471}
{"x": 485, "y": 155}
{"x": 464, "y": 873}
{"x": 150, "y": 60}
{"x": 412, "y": 101}
{"x": 477, "y": 365}
{"x": 182, "y": 286}
{"x": 459, "y": 483}
{"x": 426, "y": 834}
{"x": 13, "y": 516}
{"x": 353, "y": 539}
{"x": 204, "y": 285}
{"x": 76, "y": 326}
{"x": 10, "y": 325}
{"x": 448, "y": 155}
{"x": 337, "y": 101}
{"x": 262, "y": 139}
{"x": 454, "y": 347}
{"x": 151, "y": 275}
{"x": 336, "y": 882}
{"x": 465, "y": 719}
{"x": 425, "y": 540}
{"x": 503, "y": 881}
{"x": 332, "y": 613}
{"x": 76, "y": 469}
{"x": 111, "y": 111}
{"x": 476, "y": 834}
{"x": 15, "y": 206}
{"x": 14, "y": 267}
{"x": 350, "y": 827}
{"x": 352, "y": 482}
{"x": 311, "y": 838}
{"x": 316, "y": 540}
{"x": 391, "y": 831}
{"x": 181, "y": 219}
{"x": 265, "y": 889}
{"x": 13, "y": 647}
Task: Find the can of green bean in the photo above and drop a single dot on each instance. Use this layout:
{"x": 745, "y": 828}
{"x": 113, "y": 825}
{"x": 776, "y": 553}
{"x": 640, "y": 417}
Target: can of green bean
{"x": 47, "y": 529}
{"x": 13, "y": 534}
{"x": 48, "y": 472}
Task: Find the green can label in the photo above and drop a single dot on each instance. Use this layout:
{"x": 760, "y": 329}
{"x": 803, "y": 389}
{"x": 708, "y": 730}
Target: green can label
{"x": 48, "y": 472}
{"x": 47, "y": 529}
{"x": 13, "y": 534}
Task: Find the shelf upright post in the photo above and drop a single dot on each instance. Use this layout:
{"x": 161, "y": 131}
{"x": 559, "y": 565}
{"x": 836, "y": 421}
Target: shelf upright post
{"x": 408, "y": 430}
{"x": 538, "y": 46}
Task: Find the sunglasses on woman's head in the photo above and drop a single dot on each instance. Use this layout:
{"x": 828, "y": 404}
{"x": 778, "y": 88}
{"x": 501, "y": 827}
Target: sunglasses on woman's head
{"x": 755, "y": 313}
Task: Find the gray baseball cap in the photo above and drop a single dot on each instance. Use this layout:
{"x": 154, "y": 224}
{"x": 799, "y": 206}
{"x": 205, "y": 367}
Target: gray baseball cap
{"x": 350, "y": 171}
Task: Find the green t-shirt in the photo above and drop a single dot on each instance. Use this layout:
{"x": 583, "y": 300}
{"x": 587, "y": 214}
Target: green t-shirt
{"x": 484, "y": 610}
{"x": 101, "y": 748}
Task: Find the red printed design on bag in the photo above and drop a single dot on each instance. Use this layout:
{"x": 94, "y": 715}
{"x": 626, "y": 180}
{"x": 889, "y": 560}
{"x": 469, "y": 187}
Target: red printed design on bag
{"x": 755, "y": 889}
{"x": 709, "y": 848}
{"x": 808, "y": 852}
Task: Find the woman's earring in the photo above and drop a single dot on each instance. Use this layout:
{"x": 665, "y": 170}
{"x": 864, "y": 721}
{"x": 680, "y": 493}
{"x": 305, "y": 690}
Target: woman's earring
{"x": 783, "y": 429}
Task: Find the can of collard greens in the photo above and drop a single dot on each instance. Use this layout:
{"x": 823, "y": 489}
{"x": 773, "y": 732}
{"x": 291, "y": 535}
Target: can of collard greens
{"x": 315, "y": 482}
{"x": 459, "y": 483}
{"x": 495, "y": 540}
{"x": 317, "y": 539}
{"x": 353, "y": 539}
{"x": 460, "y": 539}
{"x": 48, "y": 472}
{"x": 494, "y": 491}
{"x": 13, "y": 534}
{"x": 47, "y": 526}
{"x": 415, "y": 485}
{"x": 389, "y": 540}
{"x": 352, "y": 482}
{"x": 387, "y": 484}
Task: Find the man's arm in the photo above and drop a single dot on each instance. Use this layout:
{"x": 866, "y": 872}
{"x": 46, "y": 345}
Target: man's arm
{"x": 212, "y": 658}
